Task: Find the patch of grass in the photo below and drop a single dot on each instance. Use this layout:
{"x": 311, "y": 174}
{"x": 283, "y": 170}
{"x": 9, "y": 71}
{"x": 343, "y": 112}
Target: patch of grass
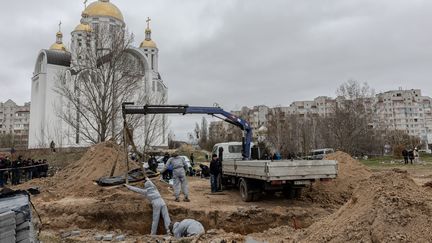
{"x": 391, "y": 161}
{"x": 380, "y": 161}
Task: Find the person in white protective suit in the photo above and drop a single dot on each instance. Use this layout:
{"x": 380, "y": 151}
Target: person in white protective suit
{"x": 180, "y": 167}
{"x": 159, "y": 207}
{"x": 187, "y": 227}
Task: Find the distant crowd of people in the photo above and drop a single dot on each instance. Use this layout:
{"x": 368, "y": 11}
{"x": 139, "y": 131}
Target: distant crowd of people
{"x": 411, "y": 155}
{"x": 15, "y": 171}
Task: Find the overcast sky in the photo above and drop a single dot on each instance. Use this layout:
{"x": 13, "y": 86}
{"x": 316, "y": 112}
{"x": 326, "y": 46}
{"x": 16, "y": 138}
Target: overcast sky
{"x": 243, "y": 52}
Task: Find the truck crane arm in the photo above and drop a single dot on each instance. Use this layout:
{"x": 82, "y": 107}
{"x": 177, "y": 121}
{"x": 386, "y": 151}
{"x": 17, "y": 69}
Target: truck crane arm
{"x": 131, "y": 108}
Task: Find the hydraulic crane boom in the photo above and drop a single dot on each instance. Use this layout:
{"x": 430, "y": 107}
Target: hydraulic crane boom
{"x": 131, "y": 108}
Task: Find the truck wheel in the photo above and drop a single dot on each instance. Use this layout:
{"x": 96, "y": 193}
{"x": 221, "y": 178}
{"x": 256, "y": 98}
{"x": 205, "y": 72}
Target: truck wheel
{"x": 298, "y": 192}
{"x": 288, "y": 193}
{"x": 244, "y": 190}
{"x": 270, "y": 193}
{"x": 257, "y": 196}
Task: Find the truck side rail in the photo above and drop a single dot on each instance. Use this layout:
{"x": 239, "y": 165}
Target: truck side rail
{"x": 282, "y": 170}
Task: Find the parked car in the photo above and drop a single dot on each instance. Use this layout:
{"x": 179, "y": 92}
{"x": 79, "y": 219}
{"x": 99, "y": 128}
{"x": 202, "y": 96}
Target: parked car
{"x": 426, "y": 151}
{"x": 161, "y": 163}
{"x": 317, "y": 154}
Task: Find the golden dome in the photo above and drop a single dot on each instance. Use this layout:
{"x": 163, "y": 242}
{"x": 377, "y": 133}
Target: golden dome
{"x": 104, "y": 8}
{"x": 83, "y": 27}
{"x": 148, "y": 43}
{"x": 58, "y": 47}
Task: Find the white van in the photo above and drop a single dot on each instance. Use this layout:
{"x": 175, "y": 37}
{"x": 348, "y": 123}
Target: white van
{"x": 320, "y": 153}
{"x": 231, "y": 150}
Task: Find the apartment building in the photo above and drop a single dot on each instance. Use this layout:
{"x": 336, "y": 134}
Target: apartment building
{"x": 14, "y": 120}
{"x": 405, "y": 110}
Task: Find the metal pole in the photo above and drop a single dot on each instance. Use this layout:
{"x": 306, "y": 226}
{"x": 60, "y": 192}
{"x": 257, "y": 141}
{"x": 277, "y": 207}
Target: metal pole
{"x": 126, "y": 150}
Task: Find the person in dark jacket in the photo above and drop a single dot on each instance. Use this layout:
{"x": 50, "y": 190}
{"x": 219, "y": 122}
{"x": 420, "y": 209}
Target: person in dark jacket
{"x": 411, "y": 155}
{"x": 215, "y": 168}
{"x": 405, "y": 155}
{"x": 7, "y": 177}
{"x": 205, "y": 171}
{"x": 192, "y": 160}
{"x": 16, "y": 172}
{"x": 2, "y": 171}
{"x": 152, "y": 163}
{"x": 52, "y": 146}
{"x": 167, "y": 175}
{"x": 45, "y": 168}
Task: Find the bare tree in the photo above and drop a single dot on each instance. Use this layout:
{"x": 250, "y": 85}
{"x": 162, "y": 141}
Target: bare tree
{"x": 399, "y": 140}
{"x": 104, "y": 74}
{"x": 282, "y": 132}
{"x": 154, "y": 126}
{"x": 203, "y": 139}
{"x": 217, "y": 133}
{"x": 350, "y": 122}
{"x": 7, "y": 140}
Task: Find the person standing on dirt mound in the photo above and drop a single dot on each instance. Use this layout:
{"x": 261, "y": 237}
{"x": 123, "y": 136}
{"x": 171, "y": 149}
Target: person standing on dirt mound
{"x": 405, "y": 155}
{"x": 159, "y": 207}
{"x": 416, "y": 155}
{"x": 180, "y": 167}
{"x": 411, "y": 155}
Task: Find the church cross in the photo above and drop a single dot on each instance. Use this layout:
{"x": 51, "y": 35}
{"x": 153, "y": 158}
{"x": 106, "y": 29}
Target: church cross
{"x": 148, "y": 22}
{"x": 60, "y": 23}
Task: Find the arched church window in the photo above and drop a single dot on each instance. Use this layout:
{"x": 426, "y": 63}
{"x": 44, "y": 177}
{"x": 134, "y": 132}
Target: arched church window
{"x": 39, "y": 64}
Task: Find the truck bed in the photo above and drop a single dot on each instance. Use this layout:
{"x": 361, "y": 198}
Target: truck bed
{"x": 281, "y": 169}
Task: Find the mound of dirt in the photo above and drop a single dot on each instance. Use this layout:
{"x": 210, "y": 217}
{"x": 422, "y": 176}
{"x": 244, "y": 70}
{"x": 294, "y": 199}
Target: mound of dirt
{"x": 279, "y": 234}
{"x": 388, "y": 207}
{"x": 428, "y": 184}
{"x": 78, "y": 177}
{"x": 338, "y": 191}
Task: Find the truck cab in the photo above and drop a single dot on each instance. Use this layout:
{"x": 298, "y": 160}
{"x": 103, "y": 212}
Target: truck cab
{"x": 231, "y": 150}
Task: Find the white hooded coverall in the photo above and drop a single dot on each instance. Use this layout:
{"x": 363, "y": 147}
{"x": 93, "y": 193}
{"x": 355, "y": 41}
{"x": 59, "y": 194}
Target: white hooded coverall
{"x": 179, "y": 166}
{"x": 187, "y": 227}
{"x": 152, "y": 194}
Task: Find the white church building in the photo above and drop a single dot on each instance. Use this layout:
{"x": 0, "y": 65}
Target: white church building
{"x": 45, "y": 123}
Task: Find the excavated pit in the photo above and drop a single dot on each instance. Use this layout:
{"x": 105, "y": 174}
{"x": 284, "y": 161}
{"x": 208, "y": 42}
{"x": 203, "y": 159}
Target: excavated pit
{"x": 133, "y": 215}
{"x": 71, "y": 200}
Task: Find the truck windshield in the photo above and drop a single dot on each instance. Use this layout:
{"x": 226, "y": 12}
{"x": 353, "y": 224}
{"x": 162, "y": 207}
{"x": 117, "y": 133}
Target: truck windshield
{"x": 235, "y": 149}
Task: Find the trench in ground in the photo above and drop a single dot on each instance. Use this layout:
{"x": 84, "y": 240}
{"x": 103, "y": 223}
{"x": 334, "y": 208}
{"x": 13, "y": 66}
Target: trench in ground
{"x": 136, "y": 218}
